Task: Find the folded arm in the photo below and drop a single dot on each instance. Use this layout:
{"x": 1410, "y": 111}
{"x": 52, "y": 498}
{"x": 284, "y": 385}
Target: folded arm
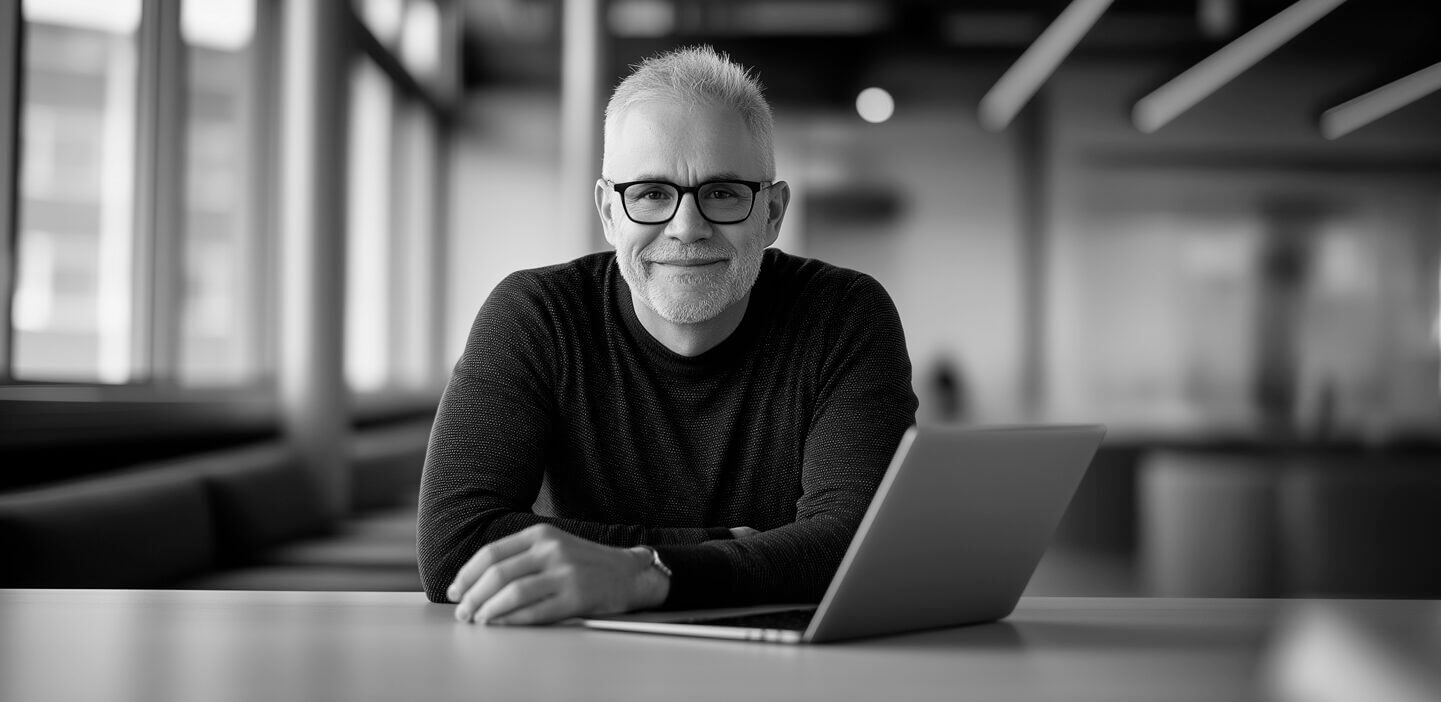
{"x": 482, "y": 474}
{"x": 486, "y": 461}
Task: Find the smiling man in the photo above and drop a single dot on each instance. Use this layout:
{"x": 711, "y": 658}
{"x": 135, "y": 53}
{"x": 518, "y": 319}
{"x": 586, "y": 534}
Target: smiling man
{"x": 691, "y": 420}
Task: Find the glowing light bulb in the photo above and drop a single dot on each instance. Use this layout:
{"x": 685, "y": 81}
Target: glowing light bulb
{"x": 875, "y": 105}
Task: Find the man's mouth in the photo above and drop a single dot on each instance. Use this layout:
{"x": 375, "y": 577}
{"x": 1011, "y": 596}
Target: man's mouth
{"x": 691, "y": 262}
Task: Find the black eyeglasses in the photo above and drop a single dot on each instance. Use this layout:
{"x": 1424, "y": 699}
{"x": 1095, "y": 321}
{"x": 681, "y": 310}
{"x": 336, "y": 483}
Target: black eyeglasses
{"x": 720, "y": 201}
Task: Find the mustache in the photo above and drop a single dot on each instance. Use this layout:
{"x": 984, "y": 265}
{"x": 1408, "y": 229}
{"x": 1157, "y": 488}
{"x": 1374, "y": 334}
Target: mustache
{"x": 686, "y": 252}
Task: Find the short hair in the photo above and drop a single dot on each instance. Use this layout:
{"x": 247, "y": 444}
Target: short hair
{"x": 696, "y": 75}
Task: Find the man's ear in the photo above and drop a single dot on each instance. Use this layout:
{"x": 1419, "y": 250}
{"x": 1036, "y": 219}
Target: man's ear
{"x": 778, "y": 198}
{"x": 604, "y": 205}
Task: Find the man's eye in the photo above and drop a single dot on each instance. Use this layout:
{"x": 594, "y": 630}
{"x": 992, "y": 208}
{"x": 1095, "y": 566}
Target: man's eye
{"x": 722, "y": 194}
{"x": 653, "y": 194}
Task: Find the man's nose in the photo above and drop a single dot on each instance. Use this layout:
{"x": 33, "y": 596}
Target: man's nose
{"x": 688, "y": 224}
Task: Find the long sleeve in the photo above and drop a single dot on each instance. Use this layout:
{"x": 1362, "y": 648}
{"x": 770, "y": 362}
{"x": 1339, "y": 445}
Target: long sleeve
{"x": 494, "y": 426}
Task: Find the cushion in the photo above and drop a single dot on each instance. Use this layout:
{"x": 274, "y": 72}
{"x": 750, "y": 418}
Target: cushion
{"x": 261, "y": 496}
{"x": 387, "y": 463}
{"x": 138, "y": 528}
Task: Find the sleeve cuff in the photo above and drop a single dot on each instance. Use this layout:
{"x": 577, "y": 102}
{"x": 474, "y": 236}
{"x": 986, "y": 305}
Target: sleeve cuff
{"x": 719, "y": 533}
{"x": 700, "y": 576}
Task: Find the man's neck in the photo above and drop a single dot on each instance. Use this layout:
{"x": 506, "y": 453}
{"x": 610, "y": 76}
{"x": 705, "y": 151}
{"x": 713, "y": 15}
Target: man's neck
{"x": 691, "y": 339}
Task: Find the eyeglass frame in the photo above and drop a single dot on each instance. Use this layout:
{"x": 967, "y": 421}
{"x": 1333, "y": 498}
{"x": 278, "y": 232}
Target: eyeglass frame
{"x": 756, "y": 186}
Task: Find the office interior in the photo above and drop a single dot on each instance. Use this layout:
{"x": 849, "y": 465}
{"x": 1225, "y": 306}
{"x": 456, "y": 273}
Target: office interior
{"x": 244, "y": 241}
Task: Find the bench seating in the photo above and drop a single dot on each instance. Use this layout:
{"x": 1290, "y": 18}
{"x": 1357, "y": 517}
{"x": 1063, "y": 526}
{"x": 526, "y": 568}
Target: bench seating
{"x": 242, "y": 518}
{"x": 139, "y": 528}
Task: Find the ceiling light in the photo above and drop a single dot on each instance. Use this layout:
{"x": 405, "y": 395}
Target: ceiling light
{"x": 875, "y": 105}
{"x": 1358, "y": 112}
{"x": 1006, "y": 98}
{"x": 1184, "y": 91}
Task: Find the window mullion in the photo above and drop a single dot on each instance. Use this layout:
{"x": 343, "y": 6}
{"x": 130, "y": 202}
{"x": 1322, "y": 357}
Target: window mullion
{"x": 390, "y": 63}
{"x": 263, "y": 172}
{"x": 442, "y": 150}
{"x": 163, "y": 133}
{"x": 11, "y": 38}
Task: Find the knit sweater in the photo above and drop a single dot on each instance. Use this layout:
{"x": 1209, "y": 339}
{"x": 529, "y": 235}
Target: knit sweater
{"x": 563, "y": 409}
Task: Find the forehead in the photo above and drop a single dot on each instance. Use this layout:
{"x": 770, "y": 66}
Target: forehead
{"x": 684, "y": 143}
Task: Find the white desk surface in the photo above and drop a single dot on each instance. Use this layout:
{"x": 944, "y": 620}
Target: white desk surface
{"x": 160, "y": 645}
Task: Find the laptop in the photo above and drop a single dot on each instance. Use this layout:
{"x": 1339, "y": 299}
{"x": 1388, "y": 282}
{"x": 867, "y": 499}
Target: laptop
{"x": 952, "y": 536}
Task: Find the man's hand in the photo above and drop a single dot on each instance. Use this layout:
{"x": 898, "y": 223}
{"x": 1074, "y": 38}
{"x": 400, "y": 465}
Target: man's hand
{"x": 742, "y": 531}
{"x": 545, "y": 574}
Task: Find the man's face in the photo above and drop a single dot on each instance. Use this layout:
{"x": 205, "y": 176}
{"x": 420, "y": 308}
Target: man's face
{"x": 687, "y": 270}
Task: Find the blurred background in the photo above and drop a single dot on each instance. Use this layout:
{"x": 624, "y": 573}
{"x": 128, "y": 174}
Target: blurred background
{"x": 244, "y": 241}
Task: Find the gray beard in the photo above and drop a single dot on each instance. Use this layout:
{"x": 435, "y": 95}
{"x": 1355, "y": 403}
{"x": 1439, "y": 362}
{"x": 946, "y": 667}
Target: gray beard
{"x": 697, "y": 304}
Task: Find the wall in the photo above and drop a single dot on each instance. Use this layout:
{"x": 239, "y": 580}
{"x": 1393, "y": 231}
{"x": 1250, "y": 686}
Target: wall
{"x": 1236, "y": 272}
{"x": 948, "y": 253}
{"x": 504, "y": 213}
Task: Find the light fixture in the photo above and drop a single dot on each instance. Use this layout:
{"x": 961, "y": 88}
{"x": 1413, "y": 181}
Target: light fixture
{"x": 1006, "y": 98}
{"x": 1358, "y": 112}
{"x": 1217, "y": 18}
{"x": 1184, "y": 91}
{"x": 875, "y": 105}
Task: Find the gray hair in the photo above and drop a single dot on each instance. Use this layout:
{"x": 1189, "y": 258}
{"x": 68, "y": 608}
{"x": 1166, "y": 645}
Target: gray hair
{"x": 697, "y": 75}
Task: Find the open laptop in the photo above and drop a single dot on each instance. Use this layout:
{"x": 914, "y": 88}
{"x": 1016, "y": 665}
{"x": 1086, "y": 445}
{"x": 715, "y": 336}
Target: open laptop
{"x": 952, "y": 536}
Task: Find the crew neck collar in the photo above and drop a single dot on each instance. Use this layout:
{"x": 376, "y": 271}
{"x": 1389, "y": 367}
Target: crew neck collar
{"x": 717, "y": 358}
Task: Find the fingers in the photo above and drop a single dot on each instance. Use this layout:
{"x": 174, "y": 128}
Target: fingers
{"x": 488, "y": 555}
{"x": 544, "y": 611}
{"x": 543, "y": 575}
{"x": 495, "y": 580}
{"x": 535, "y": 599}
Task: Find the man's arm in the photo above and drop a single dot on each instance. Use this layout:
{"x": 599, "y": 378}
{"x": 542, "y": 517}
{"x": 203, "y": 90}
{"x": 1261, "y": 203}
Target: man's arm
{"x": 544, "y": 574}
{"x": 483, "y": 468}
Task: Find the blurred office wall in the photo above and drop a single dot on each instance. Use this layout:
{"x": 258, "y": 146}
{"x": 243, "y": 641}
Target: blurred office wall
{"x": 1236, "y": 272}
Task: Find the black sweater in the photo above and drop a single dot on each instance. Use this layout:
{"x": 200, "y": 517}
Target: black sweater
{"x": 563, "y": 409}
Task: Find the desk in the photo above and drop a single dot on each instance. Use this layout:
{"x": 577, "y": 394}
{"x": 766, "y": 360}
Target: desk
{"x": 226, "y": 645}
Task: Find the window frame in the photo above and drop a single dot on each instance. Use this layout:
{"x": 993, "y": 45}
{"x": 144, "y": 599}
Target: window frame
{"x": 159, "y": 202}
{"x": 59, "y": 420}
{"x": 78, "y": 420}
{"x": 439, "y": 100}
{"x": 11, "y": 74}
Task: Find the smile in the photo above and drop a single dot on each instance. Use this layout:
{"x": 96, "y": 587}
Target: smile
{"x": 689, "y": 263}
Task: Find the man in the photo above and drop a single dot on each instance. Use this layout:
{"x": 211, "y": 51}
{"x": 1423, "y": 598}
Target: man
{"x": 690, "y": 420}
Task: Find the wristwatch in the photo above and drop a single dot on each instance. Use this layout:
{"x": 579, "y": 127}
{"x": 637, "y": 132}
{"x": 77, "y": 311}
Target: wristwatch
{"x": 655, "y": 561}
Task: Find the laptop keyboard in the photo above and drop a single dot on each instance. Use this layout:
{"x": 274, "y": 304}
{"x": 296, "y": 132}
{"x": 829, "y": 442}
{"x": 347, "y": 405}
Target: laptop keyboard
{"x": 794, "y": 619}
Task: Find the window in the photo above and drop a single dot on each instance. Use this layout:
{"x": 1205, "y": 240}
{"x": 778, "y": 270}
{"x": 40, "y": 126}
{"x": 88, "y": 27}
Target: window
{"x": 392, "y": 295}
{"x": 74, "y": 300}
{"x": 139, "y": 208}
{"x": 416, "y": 298}
{"x": 96, "y": 285}
{"x": 368, "y": 312}
{"x": 221, "y": 300}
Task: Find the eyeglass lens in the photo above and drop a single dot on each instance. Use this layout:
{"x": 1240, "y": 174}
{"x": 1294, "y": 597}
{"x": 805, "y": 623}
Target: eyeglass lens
{"x": 722, "y": 203}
